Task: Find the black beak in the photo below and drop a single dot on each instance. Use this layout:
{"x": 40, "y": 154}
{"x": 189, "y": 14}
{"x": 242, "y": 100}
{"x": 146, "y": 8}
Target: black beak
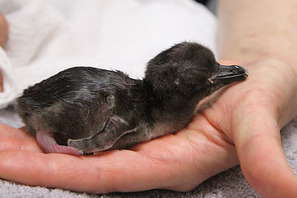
{"x": 229, "y": 74}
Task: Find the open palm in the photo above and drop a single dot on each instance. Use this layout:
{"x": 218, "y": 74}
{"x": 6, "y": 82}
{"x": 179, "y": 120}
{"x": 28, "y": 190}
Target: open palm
{"x": 242, "y": 126}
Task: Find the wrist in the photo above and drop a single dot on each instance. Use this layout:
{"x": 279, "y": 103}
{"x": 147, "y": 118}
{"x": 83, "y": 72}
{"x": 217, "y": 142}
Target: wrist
{"x": 279, "y": 60}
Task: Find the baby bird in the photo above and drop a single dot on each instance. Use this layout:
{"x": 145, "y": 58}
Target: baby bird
{"x": 83, "y": 110}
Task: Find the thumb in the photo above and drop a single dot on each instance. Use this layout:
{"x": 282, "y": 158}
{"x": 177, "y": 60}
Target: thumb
{"x": 257, "y": 139}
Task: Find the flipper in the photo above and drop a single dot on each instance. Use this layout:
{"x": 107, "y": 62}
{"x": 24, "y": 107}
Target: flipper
{"x": 115, "y": 128}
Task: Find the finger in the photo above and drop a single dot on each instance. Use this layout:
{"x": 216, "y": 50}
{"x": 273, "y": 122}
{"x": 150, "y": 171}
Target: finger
{"x": 7, "y": 131}
{"x": 262, "y": 159}
{"x": 16, "y": 139}
{"x": 10, "y": 144}
{"x": 115, "y": 171}
{"x": 253, "y": 110}
{"x": 169, "y": 162}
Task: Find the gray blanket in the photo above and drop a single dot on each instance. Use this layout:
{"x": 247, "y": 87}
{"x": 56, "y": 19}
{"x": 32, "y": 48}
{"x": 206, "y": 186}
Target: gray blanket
{"x": 230, "y": 183}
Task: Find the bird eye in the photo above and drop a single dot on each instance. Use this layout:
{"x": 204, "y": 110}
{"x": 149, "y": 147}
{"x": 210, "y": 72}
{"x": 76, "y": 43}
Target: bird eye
{"x": 177, "y": 81}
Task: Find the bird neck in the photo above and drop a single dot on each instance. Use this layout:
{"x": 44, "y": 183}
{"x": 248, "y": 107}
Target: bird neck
{"x": 170, "y": 98}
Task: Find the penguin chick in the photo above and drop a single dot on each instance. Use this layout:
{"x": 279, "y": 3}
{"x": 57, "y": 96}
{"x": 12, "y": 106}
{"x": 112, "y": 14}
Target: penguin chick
{"x": 84, "y": 110}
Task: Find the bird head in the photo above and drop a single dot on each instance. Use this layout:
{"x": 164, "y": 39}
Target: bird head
{"x": 190, "y": 69}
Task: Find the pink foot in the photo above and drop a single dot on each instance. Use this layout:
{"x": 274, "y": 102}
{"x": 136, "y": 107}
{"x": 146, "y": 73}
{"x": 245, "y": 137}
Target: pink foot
{"x": 49, "y": 145}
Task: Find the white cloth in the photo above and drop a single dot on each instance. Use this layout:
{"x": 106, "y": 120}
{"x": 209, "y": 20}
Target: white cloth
{"x": 47, "y": 36}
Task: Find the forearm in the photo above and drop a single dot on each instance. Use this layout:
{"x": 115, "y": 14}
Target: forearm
{"x": 3, "y": 38}
{"x": 251, "y": 30}
{"x": 3, "y": 30}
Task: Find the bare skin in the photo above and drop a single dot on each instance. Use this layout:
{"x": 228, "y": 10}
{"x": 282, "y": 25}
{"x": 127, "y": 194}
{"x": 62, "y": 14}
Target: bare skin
{"x": 241, "y": 127}
{"x": 3, "y": 39}
{"x": 250, "y": 32}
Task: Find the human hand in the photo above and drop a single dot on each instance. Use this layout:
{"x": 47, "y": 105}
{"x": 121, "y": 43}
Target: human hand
{"x": 244, "y": 121}
{"x": 3, "y": 38}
